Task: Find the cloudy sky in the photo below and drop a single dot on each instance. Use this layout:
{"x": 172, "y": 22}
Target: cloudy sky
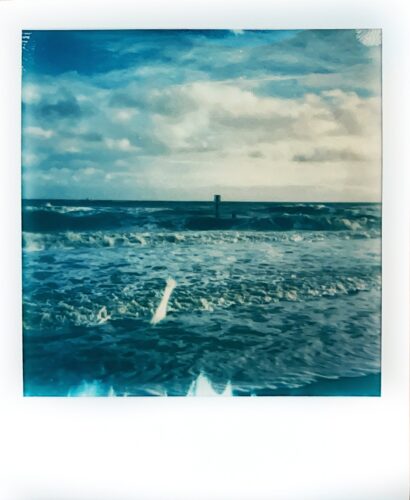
{"x": 253, "y": 115}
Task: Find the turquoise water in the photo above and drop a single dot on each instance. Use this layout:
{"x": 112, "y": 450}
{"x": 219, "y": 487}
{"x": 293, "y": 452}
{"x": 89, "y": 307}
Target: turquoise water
{"x": 272, "y": 299}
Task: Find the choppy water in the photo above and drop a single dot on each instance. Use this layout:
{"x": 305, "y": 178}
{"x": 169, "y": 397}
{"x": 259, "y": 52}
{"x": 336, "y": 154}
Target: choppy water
{"x": 272, "y": 298}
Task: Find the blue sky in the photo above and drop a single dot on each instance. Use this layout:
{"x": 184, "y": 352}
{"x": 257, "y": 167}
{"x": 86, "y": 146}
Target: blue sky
{"x": 181, "y": 114}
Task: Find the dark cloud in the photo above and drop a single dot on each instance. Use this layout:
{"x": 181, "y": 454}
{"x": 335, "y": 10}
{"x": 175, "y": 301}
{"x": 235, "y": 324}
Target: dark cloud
{"x": 91, "y": 137}
{"x": 150, "y": 144}
{"x": 67, "y": 107}
{"x": 162, "y": 101}
{"x": 268, "y": 128}
{"x": 124, "y": 100}
{"x": 171, "y": 104}
{"x": 348, "y": 120}
{"x": 85, "y": 136}
{"x": 256, "y": 154}
{"x": 330, "y": 155}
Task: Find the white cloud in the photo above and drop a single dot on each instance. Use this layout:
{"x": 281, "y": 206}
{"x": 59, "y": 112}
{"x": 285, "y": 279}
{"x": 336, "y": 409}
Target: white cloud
{"x": 120, "y": 144}
{"x": 39, "y": 132}
{"x": 124, "y": 114}
{"x": 327, "y": 141}
{"x": 30, "y": 93}
{"x": 72, "y": 149}
{"x": 225, "y": 116}
{"x": 121, "y": 163}
{"x": 29, "y": 159}
{"x": 89, "y": 171}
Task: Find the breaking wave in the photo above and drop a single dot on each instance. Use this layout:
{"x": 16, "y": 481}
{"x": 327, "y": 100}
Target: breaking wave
{"x": 187, "y": 217}
{"x": 34, "y": 242}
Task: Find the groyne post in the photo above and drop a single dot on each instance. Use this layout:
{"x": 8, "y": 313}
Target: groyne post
{"x": 217, "y": 201}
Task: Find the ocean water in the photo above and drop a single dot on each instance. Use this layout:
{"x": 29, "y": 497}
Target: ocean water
{"x": 270, "y": 299}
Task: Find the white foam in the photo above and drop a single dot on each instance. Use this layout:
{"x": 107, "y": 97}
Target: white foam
{"x": 71, "y": 236}
{"x": 206, "y": 305}
{"x": 151, "y": 209}
{"x": 141, "y": 239}
{"x": 161, "y": 311}
{"x": 71, "y": 239}
{"x": 352, "y": 225}
{"x": 32, "y": 243}
{"x": 292, "y": 295}
{"x": 66, "y": 209}
{"x": 109, "y": 240}
{"x": 103, "y": 315}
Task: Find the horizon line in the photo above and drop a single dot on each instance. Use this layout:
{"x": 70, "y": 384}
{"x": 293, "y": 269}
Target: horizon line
{"x": 197, "y": 201}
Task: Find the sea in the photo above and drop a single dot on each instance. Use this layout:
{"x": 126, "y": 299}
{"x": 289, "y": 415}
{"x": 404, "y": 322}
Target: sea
{"x": 259, "y": 299}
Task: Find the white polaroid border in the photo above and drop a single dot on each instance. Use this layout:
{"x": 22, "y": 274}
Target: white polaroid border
{"x": 293, "y": 448}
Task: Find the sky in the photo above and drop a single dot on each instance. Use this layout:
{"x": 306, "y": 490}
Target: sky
{"x": 183, "y": 114}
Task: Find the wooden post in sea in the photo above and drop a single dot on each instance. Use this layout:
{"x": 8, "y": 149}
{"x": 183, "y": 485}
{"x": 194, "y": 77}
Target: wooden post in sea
{"x": 217, "y": 201}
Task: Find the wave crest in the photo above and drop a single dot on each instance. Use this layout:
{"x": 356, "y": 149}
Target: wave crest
{"x": 34, "y": 242}
{"x": 188, "y": 217}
